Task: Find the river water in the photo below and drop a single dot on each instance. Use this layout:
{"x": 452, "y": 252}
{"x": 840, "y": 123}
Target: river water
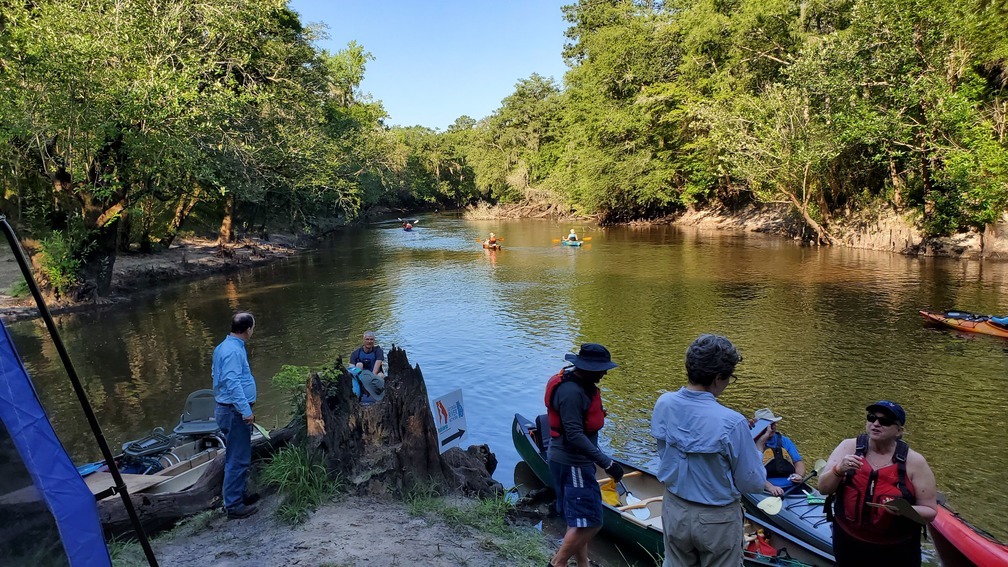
{"x": 823, "y": 332}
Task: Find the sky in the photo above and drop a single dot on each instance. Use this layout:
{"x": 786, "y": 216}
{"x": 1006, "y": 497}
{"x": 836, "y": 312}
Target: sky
{"x": 436, "y": 60}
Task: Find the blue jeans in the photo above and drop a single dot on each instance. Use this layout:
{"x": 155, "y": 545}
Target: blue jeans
{"x": 237, "y": 457}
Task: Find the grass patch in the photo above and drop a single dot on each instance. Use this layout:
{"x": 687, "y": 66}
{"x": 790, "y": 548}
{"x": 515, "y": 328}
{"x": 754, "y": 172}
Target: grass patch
{"x": 488, "y": 516}
{"x": 303, "y": 481}
{"x": 126, "y": 552}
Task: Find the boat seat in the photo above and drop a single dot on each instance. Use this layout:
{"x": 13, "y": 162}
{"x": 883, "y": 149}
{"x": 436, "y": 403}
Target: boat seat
{"x": 542, "y": 436}
{"x": 197, "y": 417}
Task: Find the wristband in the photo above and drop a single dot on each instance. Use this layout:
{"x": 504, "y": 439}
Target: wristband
{"x": 836, "y": 472}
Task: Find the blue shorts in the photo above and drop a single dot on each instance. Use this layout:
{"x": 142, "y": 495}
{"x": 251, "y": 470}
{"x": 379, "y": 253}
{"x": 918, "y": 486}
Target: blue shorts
{"x": 579, "y": 499}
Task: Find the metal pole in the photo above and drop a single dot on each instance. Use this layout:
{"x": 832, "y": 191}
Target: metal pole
{"x": 120, "y": 486}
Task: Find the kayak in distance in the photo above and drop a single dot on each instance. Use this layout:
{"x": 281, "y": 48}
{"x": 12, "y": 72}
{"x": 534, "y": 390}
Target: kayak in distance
{"x": 571, "y": 242}
{"x": 966, "y": 321}
{"x": 491, "y": 246}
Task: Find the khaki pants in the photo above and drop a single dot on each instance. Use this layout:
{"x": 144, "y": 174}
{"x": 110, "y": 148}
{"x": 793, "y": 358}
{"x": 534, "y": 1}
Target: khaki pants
{"x": 700, "y": 535}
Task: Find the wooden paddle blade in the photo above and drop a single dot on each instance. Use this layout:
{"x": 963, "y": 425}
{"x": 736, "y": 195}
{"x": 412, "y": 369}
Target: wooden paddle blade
{"x": 640, "y": 504}
{"x": 772, "y": 506}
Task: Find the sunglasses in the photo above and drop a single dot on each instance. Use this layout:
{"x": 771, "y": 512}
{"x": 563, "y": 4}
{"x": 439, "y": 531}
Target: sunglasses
{"x": 881, "y": 419}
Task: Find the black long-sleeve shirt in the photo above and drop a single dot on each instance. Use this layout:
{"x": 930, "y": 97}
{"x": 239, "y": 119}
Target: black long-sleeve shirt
{"x": 574, "y": 446}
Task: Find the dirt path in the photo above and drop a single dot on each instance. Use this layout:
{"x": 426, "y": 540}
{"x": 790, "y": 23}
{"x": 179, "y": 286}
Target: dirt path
{"x": 133, "y": 273}
{"x": 356, "y": 531}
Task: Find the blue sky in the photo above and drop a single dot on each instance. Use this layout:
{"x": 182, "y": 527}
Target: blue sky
{"x": 436, "y": 60}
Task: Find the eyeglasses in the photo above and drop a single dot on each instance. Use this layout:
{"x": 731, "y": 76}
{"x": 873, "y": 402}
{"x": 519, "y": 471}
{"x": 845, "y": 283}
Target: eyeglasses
{"x": 881, "y": 419}
{"x": 732, "y": 378}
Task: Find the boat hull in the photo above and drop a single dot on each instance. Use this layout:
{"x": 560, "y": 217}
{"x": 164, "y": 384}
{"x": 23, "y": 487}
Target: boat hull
{"x": 965, "y": 321}
{"x": 491, "y": 246}
{"x": 961, "y": 545}
{"x": 571, "y": 242}
{"x": 623, "y": 525}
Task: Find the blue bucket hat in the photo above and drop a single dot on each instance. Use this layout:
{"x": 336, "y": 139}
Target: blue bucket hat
{"x": 593, "y": 357}
{"x": 892, "y": 408}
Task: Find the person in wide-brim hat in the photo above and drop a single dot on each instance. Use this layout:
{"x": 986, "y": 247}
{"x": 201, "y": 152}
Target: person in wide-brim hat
{"x": 574, "y": 407}
{"x": 592, "y": 357}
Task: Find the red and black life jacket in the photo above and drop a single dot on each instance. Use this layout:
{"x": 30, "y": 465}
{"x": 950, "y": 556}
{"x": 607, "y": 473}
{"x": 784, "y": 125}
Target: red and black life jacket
{"x": 850, "y": 508}
{"x": 594, "y": 418}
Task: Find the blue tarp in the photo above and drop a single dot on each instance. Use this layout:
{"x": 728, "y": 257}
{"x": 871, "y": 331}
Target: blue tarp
{"x": 54, "y": 475}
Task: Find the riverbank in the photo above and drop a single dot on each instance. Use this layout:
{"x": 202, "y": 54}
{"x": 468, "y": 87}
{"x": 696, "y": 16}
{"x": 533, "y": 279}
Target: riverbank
{"x": 884, "y": 230}
{"x": 348, "y": 532}
{"x": 134, "y": 273}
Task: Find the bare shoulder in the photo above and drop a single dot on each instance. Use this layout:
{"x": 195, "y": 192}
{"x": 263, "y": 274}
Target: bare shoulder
{"x": 916, "y": 460}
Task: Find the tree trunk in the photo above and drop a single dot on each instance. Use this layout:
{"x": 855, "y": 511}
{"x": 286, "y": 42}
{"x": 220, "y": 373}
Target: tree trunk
{"x": 182, "y": 212}
{"x": 226, "y": 232}
{"x": 390, "y": 446}
{"x": 99, "y": 261}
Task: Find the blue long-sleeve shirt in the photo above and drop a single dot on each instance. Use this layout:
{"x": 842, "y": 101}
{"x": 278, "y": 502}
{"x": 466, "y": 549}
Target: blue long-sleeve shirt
{"x": 707, "y": 452}
{"x": 233, "y": 383}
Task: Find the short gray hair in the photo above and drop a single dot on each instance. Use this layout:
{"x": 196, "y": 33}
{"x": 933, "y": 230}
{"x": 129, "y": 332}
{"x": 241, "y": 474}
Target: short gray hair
{"x": 369, "y": 334}
{"x": 710, "y": 356}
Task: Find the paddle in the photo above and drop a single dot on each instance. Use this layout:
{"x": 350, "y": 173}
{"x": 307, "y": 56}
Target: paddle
{"x": 773, "y": 505}
{"x": 632, "y": 500}
{"x": 481, "y": 241}
{"x": 585, "y": 239}
{"x": 900, "y": 507}
{"x": 640, "y": 504}
{"x": 261, "y": 430}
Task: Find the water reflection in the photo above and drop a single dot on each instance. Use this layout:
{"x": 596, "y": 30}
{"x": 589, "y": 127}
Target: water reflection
{"x": 824, "y": 332}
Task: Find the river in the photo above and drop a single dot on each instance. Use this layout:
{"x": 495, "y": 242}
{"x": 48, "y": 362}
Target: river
{"x": 823, "y": 332}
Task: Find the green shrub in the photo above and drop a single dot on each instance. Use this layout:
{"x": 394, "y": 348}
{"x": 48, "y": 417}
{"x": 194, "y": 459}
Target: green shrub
{"x": 18, "y": 289}
{"x": 303, "y": 481}
{"x": 59, "y": 263}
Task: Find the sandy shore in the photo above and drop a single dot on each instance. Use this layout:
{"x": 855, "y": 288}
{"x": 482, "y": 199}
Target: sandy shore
{"x": 349, "y": 532}
{"x": 134, "y": 272}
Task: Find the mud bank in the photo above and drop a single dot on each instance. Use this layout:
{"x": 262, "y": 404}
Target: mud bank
{"x": 135, "y": 273}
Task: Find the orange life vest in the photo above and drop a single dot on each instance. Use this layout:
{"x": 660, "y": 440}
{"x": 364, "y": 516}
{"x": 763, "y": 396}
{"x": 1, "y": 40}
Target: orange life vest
{"x": 594, "y": 418}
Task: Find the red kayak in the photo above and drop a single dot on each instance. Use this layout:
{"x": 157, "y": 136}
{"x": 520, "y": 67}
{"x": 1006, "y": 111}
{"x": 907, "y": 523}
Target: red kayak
{"x": 964, "y": 321}
{"x": 961, "y": 545}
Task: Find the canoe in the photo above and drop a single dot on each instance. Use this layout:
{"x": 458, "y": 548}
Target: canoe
{"x": 960, "y": 544}
{"x": 623, "y": 525}
{"x": 163, "y": 463}
{"x": 965, "y": 321}
{"x": 571, "y": 242}
{"x": 492, "y": 246}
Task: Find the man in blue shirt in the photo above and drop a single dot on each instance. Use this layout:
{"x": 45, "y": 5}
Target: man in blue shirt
{"x": 708, "y": 458}
{"x": 369, "y": 356}
{"x": 235, "y": 392}
{"x": 781, "y": 458}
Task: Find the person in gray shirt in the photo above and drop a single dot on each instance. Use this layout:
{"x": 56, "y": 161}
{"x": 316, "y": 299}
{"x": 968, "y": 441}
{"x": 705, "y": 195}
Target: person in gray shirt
{"x": 708, "y": 458}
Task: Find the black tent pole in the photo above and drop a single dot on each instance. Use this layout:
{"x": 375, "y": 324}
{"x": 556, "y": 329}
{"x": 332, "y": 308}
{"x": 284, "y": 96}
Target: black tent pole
{"x": 120, "y": 486}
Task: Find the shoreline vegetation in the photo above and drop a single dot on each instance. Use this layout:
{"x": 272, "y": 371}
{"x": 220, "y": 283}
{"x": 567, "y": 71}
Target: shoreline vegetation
{"x": 876, "y": 124}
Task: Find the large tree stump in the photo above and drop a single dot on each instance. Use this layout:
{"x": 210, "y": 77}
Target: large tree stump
{"x": 390, "y": 446}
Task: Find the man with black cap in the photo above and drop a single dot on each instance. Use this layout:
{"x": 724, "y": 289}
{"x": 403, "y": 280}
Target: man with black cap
{"x": 574, "y": 405}
{"x": 882, "y": 493}
{"x": 708, "y": 458}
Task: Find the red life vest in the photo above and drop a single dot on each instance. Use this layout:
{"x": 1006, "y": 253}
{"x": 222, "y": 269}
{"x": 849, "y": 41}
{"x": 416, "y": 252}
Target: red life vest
{"x": 868, "y": 523}
{"x": 594, "y": 418}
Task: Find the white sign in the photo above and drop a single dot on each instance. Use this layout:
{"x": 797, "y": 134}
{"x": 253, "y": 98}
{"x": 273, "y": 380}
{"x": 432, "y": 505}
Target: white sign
{"x": 449, "y": 418}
